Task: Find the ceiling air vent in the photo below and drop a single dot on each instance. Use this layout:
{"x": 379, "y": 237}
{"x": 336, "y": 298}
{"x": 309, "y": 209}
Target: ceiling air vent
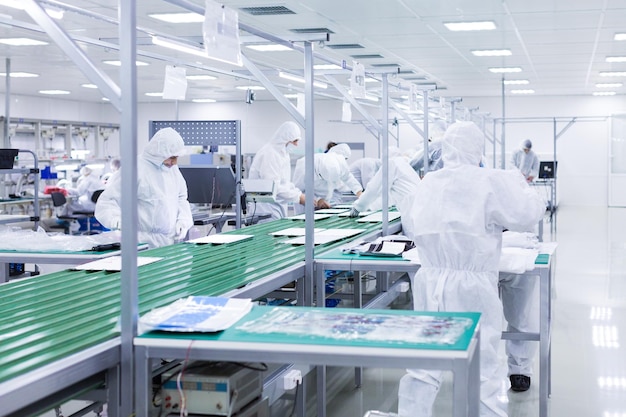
{"x": 367, "y": 56}
{"x": 267, "y": 10}
{"x": 312, "y": 30}
{"x": 345, "y": 46}
{"x": 385, "y": 65}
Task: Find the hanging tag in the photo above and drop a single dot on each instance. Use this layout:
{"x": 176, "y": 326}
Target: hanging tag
{"x": 357, "y": 80}
{"x": 175, "y": 85}
{"x": 346, "y": 112}
{"x": 221, "y": 33}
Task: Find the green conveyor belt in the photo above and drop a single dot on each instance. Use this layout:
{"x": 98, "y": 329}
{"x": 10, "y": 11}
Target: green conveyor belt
{"x": 52, "y": 316}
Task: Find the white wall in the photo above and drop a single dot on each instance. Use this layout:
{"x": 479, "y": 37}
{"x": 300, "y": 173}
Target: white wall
{"x": 582, "y": 151}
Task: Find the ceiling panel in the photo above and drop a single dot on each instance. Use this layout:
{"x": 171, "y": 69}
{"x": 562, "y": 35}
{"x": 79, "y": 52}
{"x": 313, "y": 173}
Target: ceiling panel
{"x": 556, "y": 42}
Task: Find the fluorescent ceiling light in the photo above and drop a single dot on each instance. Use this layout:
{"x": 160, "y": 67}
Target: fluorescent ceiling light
{"x": 370, "y": 80}
{"x": 616, "y": 59}
{"x": 609, "y": 85}
{"x": 179, "y": 46}
{"x": 200, "y": 77}
{"x": 19, "y": 74}
{"x": 492, "y": 52}
{"x": 156, "y": 94}
{"x": 250, "y": 87}
{"x": 178, "y": 17}
{"x": 604, "y": 93}
{"x": 464, "y": 26}
{"x": 522, "y": 91}
{"x": 119, "y": 63}
{"x": 15, "y": 4}
{"x": 204, "y": 100}
{"x": 55, "y": 13}
{"x": 269, "y": 47}
{"x": 89, "y": 85}
{"x": 326, "y": 67}
{"x": 500, "y": 70}
{"x": 292, "y": 95}
{"x": 22, "y": 42}
{"x": 54, "y": 92}
{"x": 516, "y": 82}
{"x": 367, "y": 97}
{"x": 296, "y": 78}
{"x": 613, "y": 74}
{"x": 620, "y": 37}
{"x": 105, "y": 99}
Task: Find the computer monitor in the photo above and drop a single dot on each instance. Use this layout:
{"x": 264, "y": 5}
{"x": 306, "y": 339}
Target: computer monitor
{"x": 547, "y": 169}
{"x": 214, "y": 185}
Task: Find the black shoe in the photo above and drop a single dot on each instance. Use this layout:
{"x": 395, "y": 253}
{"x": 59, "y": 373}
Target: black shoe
{"x": 520, "y": 383}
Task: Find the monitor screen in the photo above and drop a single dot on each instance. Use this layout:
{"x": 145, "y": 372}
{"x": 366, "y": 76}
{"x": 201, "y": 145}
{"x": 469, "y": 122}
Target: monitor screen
{"x": 546, "y": 169}
{"x": 214, "y": 185}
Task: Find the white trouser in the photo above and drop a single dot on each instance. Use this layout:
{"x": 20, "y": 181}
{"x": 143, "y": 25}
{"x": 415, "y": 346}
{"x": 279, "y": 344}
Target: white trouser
{"x": 517, "y": 293}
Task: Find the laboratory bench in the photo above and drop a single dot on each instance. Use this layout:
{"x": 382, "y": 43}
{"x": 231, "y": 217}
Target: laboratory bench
{"x": 294, "y": 341}
{"x": 52, "y": 318}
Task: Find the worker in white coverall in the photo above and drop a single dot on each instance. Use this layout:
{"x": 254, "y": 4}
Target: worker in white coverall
{"x": 457, "y": 218}
{"x": 272, "y": 162}
{"x": 402, "y": 184}
{"x": 164, "y": 214}
{"x": 331, "y": 172}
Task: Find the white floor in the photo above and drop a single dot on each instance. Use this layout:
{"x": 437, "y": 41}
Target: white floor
{"x": 589, "y": 364}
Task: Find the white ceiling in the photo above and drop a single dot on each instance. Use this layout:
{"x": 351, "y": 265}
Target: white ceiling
{"x": 561, "y": 45}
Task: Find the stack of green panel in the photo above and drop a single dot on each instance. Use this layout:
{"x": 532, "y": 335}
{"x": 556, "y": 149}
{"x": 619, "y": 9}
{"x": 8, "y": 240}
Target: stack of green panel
{"x": 52, "y": 316}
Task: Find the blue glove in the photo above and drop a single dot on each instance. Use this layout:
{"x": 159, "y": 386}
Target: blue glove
{"x": 353, "y": 212}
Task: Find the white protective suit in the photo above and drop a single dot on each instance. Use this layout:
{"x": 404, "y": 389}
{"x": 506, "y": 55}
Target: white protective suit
{"x": 435, "y": 161}
{"x": 272, "y": 162}
{"x": 402, "y": 181}
{"x": 86, "y": 185}
{"x": 456, "y": 221}
{"x": 364, "y": 169}
{"x": 163, "y": 211}
{"x": 527, "y": 163}
{"x": 517, "y": 299}
{"x": 331, "y": 172}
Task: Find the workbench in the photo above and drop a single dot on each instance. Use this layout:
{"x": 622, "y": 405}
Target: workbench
{"x": 282, "y": 346}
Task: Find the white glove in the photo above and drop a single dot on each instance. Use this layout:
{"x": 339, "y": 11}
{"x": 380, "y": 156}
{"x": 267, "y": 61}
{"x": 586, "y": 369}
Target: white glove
{"x": 181, "y": 232}
{"x": 353, "y": 212}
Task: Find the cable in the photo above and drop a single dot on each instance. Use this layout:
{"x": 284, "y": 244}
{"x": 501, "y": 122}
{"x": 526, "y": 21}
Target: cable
{"x": 295, "y": 400}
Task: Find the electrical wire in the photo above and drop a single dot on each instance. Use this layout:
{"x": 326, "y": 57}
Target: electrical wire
{"x": 295, "y": 400}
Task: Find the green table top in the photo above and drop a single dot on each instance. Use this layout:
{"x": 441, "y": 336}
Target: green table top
{"x": 346, "y": 327}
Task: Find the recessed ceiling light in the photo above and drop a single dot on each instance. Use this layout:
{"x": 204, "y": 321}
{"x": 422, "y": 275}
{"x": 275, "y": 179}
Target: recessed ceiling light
{"x": 616, "y": 59}
{"x": 200, "y": 77}
{"x": 499, "y": 70}
{"x": 516, "y": 82}
{"x": 620, "y": 37}
{"x": 492, "y": 52}
{"x": 609, "y": 85}
{"x": 22, "y": 42}
{"x": 54, "y": 92}
{"x": 326, "y": 67}
{"x": 105, "y": 99}
{"x": 463, "y": 26}
{"x": 522, "y": 91}
{"x": 204, "y": 100}
{"x": 119, "y": 63}
{"x": 250, "y": 87}
{"x": 155, "y": 94}
{"x": 604, "y": 93}
{"x": 269, "y": 47}
{"x": 89, "y": 85}
{"x": 19, "y": 74}
{"x": 613, "y": 74}
{"x": 178, "y": 17}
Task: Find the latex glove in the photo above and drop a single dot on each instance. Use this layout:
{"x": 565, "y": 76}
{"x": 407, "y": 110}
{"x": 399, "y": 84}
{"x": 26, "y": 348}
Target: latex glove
{"x": 181, "y": 231}
{"x": 353, "y": 212}
{"x": 116, "y": 224}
